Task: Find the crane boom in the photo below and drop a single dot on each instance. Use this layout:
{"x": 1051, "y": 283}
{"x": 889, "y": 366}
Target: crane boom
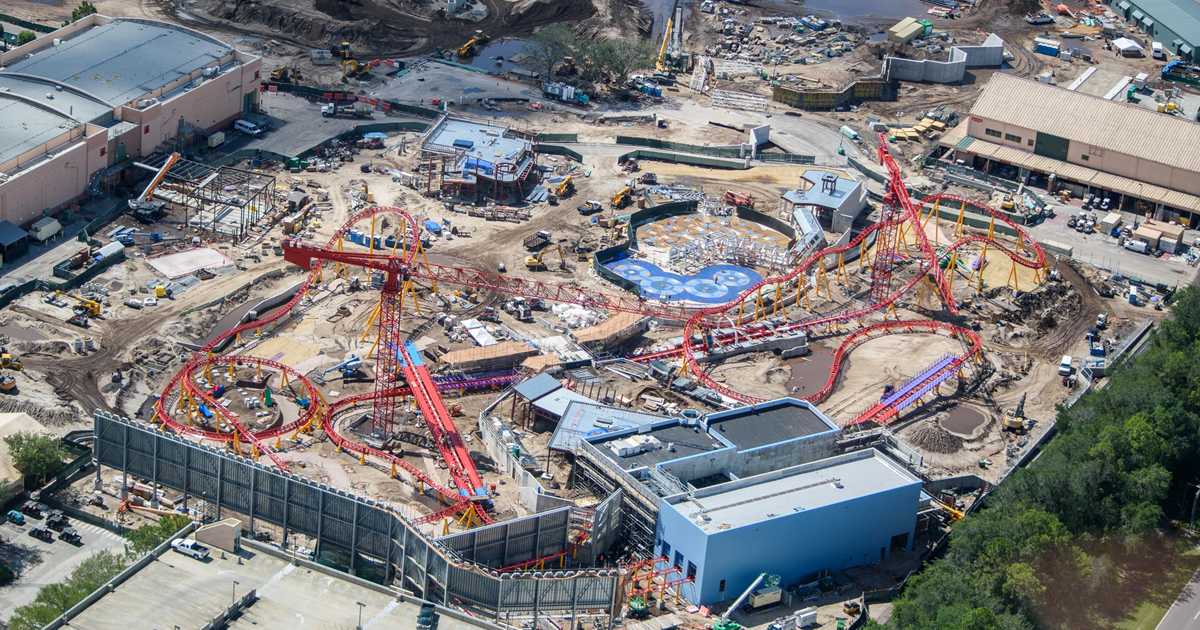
{"x": 159, "y": 177}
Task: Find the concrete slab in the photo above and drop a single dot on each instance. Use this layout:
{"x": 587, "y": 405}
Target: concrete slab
{"x": 181, "y": 264}
{"x": 178, "y": 591}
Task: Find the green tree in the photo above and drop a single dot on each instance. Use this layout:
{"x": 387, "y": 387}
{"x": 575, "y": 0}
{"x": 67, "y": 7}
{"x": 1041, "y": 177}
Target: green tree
{"x": 549, "y": 45}
{"x": 35, "y": 455}
{"x": 145, "y": 538}
{"x": 84, "y": 9}
{"x": 53, "y": 600}
{"x": 24, "y": 37}
{"x": 617, "y": 58}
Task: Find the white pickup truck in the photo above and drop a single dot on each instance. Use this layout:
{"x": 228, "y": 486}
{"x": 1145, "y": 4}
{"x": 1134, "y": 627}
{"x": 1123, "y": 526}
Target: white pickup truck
{"x": 190, "y": 547}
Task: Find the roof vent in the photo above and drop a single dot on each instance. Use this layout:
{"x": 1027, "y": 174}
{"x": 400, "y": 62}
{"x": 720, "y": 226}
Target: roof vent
{"x": 50, "y": 96}
{"x": 838, "y": 484}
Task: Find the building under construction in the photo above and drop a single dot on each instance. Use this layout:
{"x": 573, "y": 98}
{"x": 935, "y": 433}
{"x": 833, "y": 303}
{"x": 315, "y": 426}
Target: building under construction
{"x": 226, "y": 202}
{"x": 476, "y": 161}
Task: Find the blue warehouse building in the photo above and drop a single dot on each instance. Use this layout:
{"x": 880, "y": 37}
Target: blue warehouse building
{"x": 849, "y": 510}
{"x": 756, "y": 489}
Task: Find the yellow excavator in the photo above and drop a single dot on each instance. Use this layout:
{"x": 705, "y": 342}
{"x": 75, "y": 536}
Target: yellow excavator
{"x": 622, "y": 198}
{"x": 536, "y": 262}
{"x": 9, "y": 361}
{"x": 565, "y": 187}
{"x": 468, "y": 49}
{"x": 1015, "y": 422}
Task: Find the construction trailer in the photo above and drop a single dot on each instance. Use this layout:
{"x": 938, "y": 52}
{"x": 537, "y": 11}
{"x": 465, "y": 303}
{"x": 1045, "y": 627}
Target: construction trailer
{"x": 223, "y": 201}
{"x": 476, "y": 161}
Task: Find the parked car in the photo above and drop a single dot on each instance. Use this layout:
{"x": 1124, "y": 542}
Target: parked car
{"x": 190, "y": 547}
{"x": 70, "y": 535}
{"x": 56, "y": 520}
{"x": 33, "y": 508}
{"x": 42, "y": 533}
{"x": 16, "y": 517}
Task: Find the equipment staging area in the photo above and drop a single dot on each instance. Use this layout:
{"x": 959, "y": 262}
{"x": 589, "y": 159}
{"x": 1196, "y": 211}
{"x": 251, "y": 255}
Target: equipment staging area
{"x": 510, "y": 363}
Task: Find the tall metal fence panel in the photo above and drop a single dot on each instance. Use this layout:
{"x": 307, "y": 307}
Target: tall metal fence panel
{"x": 681, "y": 158}
{"x": 554, "y": 149}
{"x": 514, "y": 541}
{"x": 729, "y": 151}
{"x": 354, "y": 534}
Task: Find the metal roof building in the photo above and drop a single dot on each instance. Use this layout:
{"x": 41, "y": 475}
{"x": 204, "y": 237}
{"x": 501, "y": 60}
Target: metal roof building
{"x": 1175, "y": 23}
{"x": 100, "y": 90}
{"x": 1149, "y": 162}
{"x": 849, "y": 510}
{"x": 123, "y": 60}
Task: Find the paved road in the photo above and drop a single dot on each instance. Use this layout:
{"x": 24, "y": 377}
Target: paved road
{"x": 1184, "y": 614}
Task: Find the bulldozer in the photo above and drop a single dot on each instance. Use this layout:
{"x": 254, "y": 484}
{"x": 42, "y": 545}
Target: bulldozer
{"x": 536, "y": 262}
{"x": 285, "y": 74}
{"x": 1015, "y": 421}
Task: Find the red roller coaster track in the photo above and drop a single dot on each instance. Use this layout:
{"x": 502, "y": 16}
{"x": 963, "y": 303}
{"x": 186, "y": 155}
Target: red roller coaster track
{"x": 898, "y": 210}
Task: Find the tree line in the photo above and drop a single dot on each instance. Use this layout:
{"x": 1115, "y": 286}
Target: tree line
{"x": 595, "y": 60}
{"x": 1125, "y": 460}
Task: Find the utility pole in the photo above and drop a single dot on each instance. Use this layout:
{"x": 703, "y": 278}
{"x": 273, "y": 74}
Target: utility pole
{"x": 233, "y": 593}
{"x": 360, "y": 609}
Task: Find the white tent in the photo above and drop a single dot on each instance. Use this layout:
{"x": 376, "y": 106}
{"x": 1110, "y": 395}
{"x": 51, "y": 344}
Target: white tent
{"x": 1128, "y": 48}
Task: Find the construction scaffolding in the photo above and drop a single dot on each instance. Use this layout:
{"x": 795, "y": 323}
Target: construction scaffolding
{"x": 713, "y": 248}
{"x": 224, "y": 201}
{"x": 477, "y": 161}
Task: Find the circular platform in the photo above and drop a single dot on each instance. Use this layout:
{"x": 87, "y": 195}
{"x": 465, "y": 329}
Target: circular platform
{"x": 716, "y": 284}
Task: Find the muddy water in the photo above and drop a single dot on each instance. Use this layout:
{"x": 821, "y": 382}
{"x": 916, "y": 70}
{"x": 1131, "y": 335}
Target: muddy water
{"x": 963, "y": 420}
{"x": 810, "y": 373}
{"x": 497, "y": 56}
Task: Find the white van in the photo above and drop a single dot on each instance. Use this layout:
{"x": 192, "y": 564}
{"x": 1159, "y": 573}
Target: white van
{"x": 247, "y": 127}
{"x": 190, "y": 547}
{"x": 1064, "y": 366}
{"x": 1156, "y": 50}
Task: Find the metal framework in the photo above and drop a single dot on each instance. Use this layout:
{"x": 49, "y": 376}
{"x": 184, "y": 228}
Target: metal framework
{"x": 211, "y": 196}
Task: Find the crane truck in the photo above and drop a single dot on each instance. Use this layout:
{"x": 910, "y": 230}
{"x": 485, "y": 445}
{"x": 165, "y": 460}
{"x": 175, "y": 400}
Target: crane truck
{"x": 144, "y": 207}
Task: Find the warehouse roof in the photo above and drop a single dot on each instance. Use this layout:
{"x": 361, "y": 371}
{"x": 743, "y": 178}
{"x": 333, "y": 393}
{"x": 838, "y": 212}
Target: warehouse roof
{"x": 123, "y": 59}
{"x": 811, "y": 486}
{"x": 674, "y": 441}
{"x": 71, "y": 102}
{"x": 536, "y": 387}
{"x": 25, "y": 126}
{"x": 1181, "y": 16}
{"x": 770, "y": 422}
{"x": 1092, "y": 120}
{"x": 555, "y": 403}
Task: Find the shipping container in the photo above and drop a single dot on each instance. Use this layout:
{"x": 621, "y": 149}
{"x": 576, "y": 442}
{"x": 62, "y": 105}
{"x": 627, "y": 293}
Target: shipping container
{"x": 44, "y": 229}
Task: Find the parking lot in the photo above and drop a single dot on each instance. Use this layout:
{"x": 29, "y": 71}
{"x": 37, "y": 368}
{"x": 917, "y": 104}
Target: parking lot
{"x": 1101, "y": 250}
{"x": 39, "y": 563}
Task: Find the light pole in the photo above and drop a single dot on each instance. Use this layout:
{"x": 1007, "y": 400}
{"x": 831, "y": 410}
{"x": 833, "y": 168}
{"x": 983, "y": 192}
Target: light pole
{"x": 360, "y": 609}
{"x": 233, "y": 593}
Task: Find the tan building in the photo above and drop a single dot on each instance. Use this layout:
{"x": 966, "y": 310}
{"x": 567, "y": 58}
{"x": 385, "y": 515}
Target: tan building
{"x": 1052, "y": 137}
{"x": 104, "y": 89}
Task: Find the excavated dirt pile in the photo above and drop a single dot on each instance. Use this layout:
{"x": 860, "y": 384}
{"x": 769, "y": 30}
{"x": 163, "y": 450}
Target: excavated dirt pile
{"x": 935, "y": 439}
{"x": 386, "y": 26}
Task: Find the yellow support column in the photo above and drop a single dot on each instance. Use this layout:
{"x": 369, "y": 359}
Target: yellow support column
{"x": 958, "y": 223}
{"x": 778, "y": 300}
{"x": 992, "y": 229}
{"x": 370, "y": 320}
{"x": 1013, "y": 280}
{"x": 758, "y": 304}
{"x": 841, "y": 269}
{"x": 230, "y": 371}
{"x": 283, "y": 379}
{"x": 371, "y": 243}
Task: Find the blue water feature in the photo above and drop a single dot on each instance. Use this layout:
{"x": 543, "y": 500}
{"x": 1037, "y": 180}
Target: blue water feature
{"x": 715, "y": 284}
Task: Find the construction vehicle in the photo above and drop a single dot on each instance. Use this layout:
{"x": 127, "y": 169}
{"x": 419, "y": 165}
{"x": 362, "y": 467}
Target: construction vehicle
{"x": 590, "y": 206}
{"x": 537, "y": 240}
{"x": 1016, "y": 421}
{"x": 352, "y": 69}
{"x": 346, "y": 110}
{"x": 91, "y": 308}
{"x": 622, "y": 198}
{"x": 536, "y": 262}
{"x": 639, "y": 608}
{"x": 9, "y": 361}
{"x": 852, "y": 608}
{"x": 738, "y": 200}
{"x": 342, "y": 51}
{"x": 285, "y": 74}
{"x": 468, "y": 49}
{"x": 724, "y": 622}
{"x": 145, "y": 208}
{"x": 660, "y": 61}
{"x": 565, "y": 187}
{"x": 648, "y": 178}
{"x": 350, "y": 367}
{"x": 129, "y": 239}
{"x": 8, "y": 384}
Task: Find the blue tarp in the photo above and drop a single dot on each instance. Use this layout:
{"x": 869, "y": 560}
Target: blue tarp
{"x": 433, "y": 227}
{"x": 485, "y": 167}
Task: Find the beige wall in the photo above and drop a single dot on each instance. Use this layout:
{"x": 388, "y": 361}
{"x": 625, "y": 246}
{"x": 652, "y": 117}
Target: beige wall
{"x": 216, "y": 103}
{"x": 55, "y": 182}
{"x": 1098, "y": 158}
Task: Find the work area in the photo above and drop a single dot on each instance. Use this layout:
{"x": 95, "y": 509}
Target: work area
{"x": 492, "y": 332}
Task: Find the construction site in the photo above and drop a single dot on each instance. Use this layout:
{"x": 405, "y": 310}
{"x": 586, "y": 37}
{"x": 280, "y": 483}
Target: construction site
{"x": 534, "y": 360}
